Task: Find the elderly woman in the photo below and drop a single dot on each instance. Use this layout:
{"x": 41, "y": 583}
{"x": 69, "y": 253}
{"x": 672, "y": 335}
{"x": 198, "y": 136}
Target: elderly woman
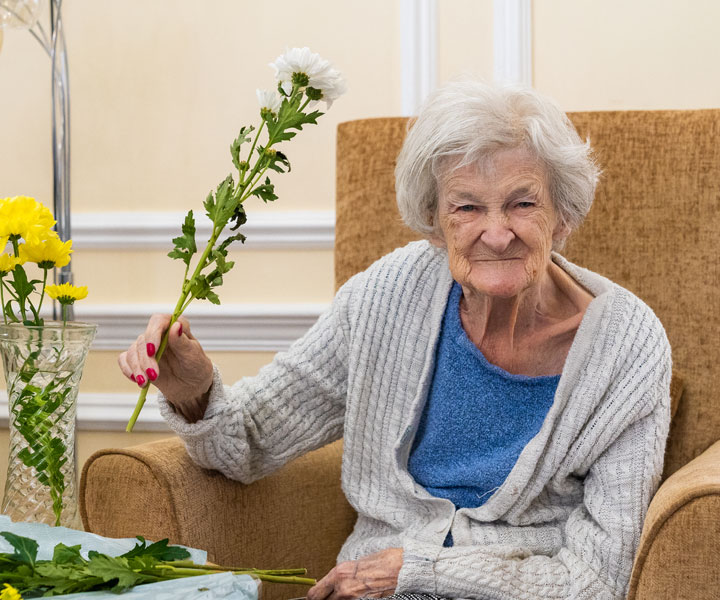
{"x": 504, "y": 412}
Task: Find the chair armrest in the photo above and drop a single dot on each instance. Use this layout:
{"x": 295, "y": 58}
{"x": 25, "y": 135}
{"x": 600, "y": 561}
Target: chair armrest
{"x": 679, "y": 553}
{"x": 296, "y": 517}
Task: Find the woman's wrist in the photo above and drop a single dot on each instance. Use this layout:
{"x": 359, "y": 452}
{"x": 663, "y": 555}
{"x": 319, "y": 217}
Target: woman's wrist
{"x": 192, "y": 409}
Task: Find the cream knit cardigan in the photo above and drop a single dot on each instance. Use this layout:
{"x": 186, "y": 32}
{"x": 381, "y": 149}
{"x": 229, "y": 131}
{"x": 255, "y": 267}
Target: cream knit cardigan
{"x": 567, "y": 520}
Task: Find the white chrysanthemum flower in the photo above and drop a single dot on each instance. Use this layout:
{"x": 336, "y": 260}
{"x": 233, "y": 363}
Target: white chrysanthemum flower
{"x": 269, "y": 100}
{"x": 308, "y": 70}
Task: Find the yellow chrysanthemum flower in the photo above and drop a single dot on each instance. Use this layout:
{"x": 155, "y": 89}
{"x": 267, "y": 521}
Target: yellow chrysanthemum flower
{"x": 10, "y": 593}
{"x": 52, "y": 252}
{"x": 8, "y": 263}
{"x": 66, "y": 293}
{"x": 24, "y": 217}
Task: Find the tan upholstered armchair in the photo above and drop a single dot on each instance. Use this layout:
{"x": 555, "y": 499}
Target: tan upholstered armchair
{"x": 655, "y": 228}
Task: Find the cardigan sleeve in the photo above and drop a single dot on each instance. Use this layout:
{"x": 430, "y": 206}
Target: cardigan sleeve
{"x": 293, "y": 405}
{"x": 600, "y": 538}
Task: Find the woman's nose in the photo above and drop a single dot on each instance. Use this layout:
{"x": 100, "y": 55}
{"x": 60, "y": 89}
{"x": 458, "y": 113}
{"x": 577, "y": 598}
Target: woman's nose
{"x": 497, "y": 236}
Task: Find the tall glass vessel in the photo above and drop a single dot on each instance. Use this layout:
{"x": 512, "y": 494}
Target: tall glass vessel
{"x": 43, "y": 366}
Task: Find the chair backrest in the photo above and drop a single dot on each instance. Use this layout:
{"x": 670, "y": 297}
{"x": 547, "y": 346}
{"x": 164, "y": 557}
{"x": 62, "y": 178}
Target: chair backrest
{"x": 654, "y": 228}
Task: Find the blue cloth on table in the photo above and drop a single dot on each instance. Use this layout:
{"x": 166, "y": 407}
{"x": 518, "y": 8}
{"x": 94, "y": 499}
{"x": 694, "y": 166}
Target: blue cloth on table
{"x": 477, "y": 419}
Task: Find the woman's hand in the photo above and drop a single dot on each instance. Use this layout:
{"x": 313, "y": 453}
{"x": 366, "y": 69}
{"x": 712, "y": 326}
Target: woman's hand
{"x": 184, "y": 374}
{"x": 373, "y": 576}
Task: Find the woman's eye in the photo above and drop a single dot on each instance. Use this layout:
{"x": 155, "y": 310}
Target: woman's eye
{"x": 525, "y": 204}
{"x": 467, "y": 208}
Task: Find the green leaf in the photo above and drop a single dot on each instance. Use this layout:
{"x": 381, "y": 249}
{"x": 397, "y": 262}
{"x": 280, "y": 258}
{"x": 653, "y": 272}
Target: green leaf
{"x": 63, "y": 554}
{"x": 280, "y": 163}
{"x": 210, "y": 206}
{"x": 23, "y": 288}
{"x": 225, "y": 202}
{"x": 9, "y": 312}
{"x": 226, "y": 242}
{"x": 200, "y": 287}
{"x": 159, "y": 550}
{"x": 185, "y": 244}
{"x": 109, "y": 568}
{"x": 238, "y": 218}
{"x": 61, "y": 579}
{"x": 265, "y": 191}
{"x": 222, "y": 205}
{"x": 290, "y": 117}
{"x": 243, "y": 137}
{"x": 221, "y": 265}
{"x": 25, "y": 548}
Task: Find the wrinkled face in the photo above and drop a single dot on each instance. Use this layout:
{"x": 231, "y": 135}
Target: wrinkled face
{"x": 498, "y": 223}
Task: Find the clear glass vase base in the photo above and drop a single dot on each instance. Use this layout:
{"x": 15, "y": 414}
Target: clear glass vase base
{"x": 43, "y": 366}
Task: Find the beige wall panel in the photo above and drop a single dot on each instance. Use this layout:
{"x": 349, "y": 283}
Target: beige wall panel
{"x": 273, "y": 276}
{"x": 615, "y": 54}
{"x": 465, "y": 39}
{"x": 159, "y": 90}
{"x": 87, "y": 443}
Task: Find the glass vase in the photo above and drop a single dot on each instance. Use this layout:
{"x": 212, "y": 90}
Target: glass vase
{"x": 43, "y": 366}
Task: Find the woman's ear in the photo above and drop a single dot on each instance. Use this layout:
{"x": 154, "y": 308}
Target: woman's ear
{"x": 560, "y": 233}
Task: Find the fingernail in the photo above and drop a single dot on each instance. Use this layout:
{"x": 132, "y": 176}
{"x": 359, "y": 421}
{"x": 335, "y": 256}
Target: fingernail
{"x": 151, "y": 349}
{"x": 132, "y": 377}
{"x": 140, "y": 380}
{"x": 180, "y": 330}
{"x": 152, "y": 374}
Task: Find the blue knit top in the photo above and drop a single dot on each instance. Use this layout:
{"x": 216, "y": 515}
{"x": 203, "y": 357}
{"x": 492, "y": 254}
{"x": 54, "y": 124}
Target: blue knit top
{"x": 477, "y": 419}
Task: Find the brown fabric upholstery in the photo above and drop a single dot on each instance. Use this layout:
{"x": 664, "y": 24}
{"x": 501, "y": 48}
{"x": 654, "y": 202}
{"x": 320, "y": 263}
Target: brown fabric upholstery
{"x": 297, "y": 517}
{"x": 680, "y": 546}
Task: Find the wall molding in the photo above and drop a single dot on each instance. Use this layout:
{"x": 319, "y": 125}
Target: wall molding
{"x": 418, "y": 41}
{"x": 243, "y": 327}
{"x": 512, "y": 41}
{"x": 227, "y": 327}
{"x": 264, "y": 230}
{"x": 106, "y": 412}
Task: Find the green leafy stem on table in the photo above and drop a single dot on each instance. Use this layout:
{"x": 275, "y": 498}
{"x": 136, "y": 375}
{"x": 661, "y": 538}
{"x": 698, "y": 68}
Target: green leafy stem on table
{"x": 226, "y": 204}
{"x": 69, "y": 572}
{"x": 35, "y": 417}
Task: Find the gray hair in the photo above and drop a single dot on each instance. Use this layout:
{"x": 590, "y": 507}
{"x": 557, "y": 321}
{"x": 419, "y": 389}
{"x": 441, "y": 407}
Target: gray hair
{"x": 469, "y": 121}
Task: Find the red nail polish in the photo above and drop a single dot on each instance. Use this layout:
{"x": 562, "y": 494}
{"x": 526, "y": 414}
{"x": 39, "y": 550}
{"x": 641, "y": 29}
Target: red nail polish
{"x": 152, "y": 374}
{"x": 140, "y": 380}
{"x": 151, "y": 349}
{"x": 132, "y": 377}
{"x": 180, "y": 330}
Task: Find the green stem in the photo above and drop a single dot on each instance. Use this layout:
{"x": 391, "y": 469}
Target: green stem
{"x": 251, "y": 185}
{"x": 35, "y": 312}
{"x": 185, "y": 279}
{"x": 270, "y": 576}
{"x": 252, "y": 149}
{"x": 179, "y": 309}
{"x": 10, "y": 291}
{"x": 304, "y": 106}
{"x": 21, "y": 301}
{"x": 281, "y": 579}
{"x": 2, "y": 300}
{"x": 42, "y": 294}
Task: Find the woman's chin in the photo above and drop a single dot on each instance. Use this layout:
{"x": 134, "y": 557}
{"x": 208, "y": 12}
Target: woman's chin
{"x": 498, "y": 285}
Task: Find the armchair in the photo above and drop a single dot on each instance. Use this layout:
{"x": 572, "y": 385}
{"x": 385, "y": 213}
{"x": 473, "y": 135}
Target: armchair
{"x": 655, "y": 229}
